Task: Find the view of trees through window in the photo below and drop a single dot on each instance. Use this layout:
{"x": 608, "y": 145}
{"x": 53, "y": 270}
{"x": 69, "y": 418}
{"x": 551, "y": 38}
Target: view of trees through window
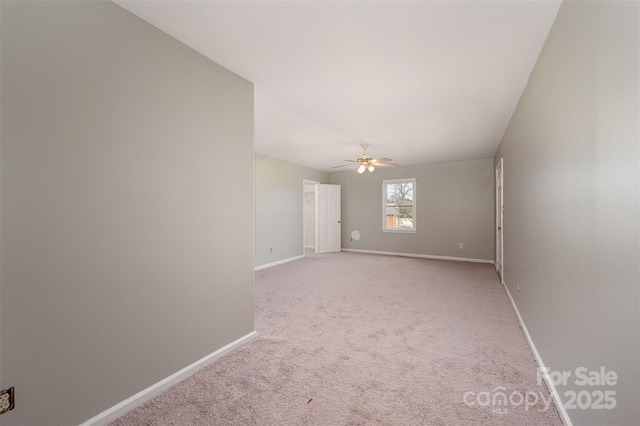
{"x": 400, "y": 205}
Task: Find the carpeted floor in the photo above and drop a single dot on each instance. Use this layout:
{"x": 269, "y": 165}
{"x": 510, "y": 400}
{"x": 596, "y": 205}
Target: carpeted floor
{"x": 352, "y": 339}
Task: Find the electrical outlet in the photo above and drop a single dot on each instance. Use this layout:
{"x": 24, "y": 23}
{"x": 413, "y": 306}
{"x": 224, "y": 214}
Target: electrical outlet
{"x": 461, "y": 246}
{"x": 271, "y": 250}
{"x": 518, "y": 286}
{"x": 7, "y": 402}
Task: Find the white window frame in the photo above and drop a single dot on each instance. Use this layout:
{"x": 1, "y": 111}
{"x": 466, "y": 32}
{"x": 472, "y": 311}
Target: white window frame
{"x": 414, "y": 205}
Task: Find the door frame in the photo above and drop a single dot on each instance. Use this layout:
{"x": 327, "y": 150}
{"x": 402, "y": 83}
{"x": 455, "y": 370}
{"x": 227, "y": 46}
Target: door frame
{"x": 499, "y": 228}
{"x": 306, "y": 182}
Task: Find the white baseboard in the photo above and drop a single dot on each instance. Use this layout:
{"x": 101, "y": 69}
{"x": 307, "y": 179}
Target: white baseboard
{"x": 564, "y": 416}
{"x": 311, "y": 247}
{"x": 152, "y": 391}
{"x": 424, "y": 256}
{"x": 279, "y": 262}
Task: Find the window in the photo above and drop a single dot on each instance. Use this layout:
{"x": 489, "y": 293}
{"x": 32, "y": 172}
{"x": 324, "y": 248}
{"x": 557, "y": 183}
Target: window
{"x": 399, "y": 205}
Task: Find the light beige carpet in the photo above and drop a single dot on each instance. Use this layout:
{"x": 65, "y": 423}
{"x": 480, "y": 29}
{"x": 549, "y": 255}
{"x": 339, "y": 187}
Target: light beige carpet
{"x": 353, "y": 339}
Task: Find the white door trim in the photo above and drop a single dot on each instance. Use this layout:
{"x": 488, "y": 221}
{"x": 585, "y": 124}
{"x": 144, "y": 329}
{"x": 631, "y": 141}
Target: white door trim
{"x": 500, "y": 219}
{"x": 304, "y": 237}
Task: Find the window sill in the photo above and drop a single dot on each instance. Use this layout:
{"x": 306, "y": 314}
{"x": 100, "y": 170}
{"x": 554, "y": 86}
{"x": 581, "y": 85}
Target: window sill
{"x": 400, "y": 231}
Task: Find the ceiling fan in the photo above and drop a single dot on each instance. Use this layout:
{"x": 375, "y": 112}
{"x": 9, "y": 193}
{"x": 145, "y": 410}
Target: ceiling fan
{"x": 367, "y": 162}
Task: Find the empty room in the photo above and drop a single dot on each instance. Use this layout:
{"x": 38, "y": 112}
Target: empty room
{"x": 319, "y": 212}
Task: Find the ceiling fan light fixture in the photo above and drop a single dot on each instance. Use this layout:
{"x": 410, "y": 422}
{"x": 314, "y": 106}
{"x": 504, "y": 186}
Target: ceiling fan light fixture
{"x": 366, "y": 162}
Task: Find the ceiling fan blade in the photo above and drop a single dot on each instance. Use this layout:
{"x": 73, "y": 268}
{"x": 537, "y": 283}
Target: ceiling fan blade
{"x": 366, "y": 161}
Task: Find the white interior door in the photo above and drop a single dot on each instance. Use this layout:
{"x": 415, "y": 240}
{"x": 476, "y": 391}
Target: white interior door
{"x": 328, "y": 227}
{"x": 499, "y": 221}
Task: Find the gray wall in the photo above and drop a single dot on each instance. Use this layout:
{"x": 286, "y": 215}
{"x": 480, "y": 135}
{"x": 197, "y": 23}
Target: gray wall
{"x": 279, "y": 208}
{"x": 455, "y": 205}
{"x": 125, "y": 255}
{"x": 571, "y": 201}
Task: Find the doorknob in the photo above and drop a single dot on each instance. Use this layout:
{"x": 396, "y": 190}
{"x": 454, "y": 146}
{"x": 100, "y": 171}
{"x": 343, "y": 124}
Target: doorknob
{"x": 499, "y": 228}
{"x": 339, "y": 222}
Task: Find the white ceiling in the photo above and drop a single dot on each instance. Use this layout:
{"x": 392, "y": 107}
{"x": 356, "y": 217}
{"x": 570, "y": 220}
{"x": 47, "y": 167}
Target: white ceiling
{"x": 420, "y": 81}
